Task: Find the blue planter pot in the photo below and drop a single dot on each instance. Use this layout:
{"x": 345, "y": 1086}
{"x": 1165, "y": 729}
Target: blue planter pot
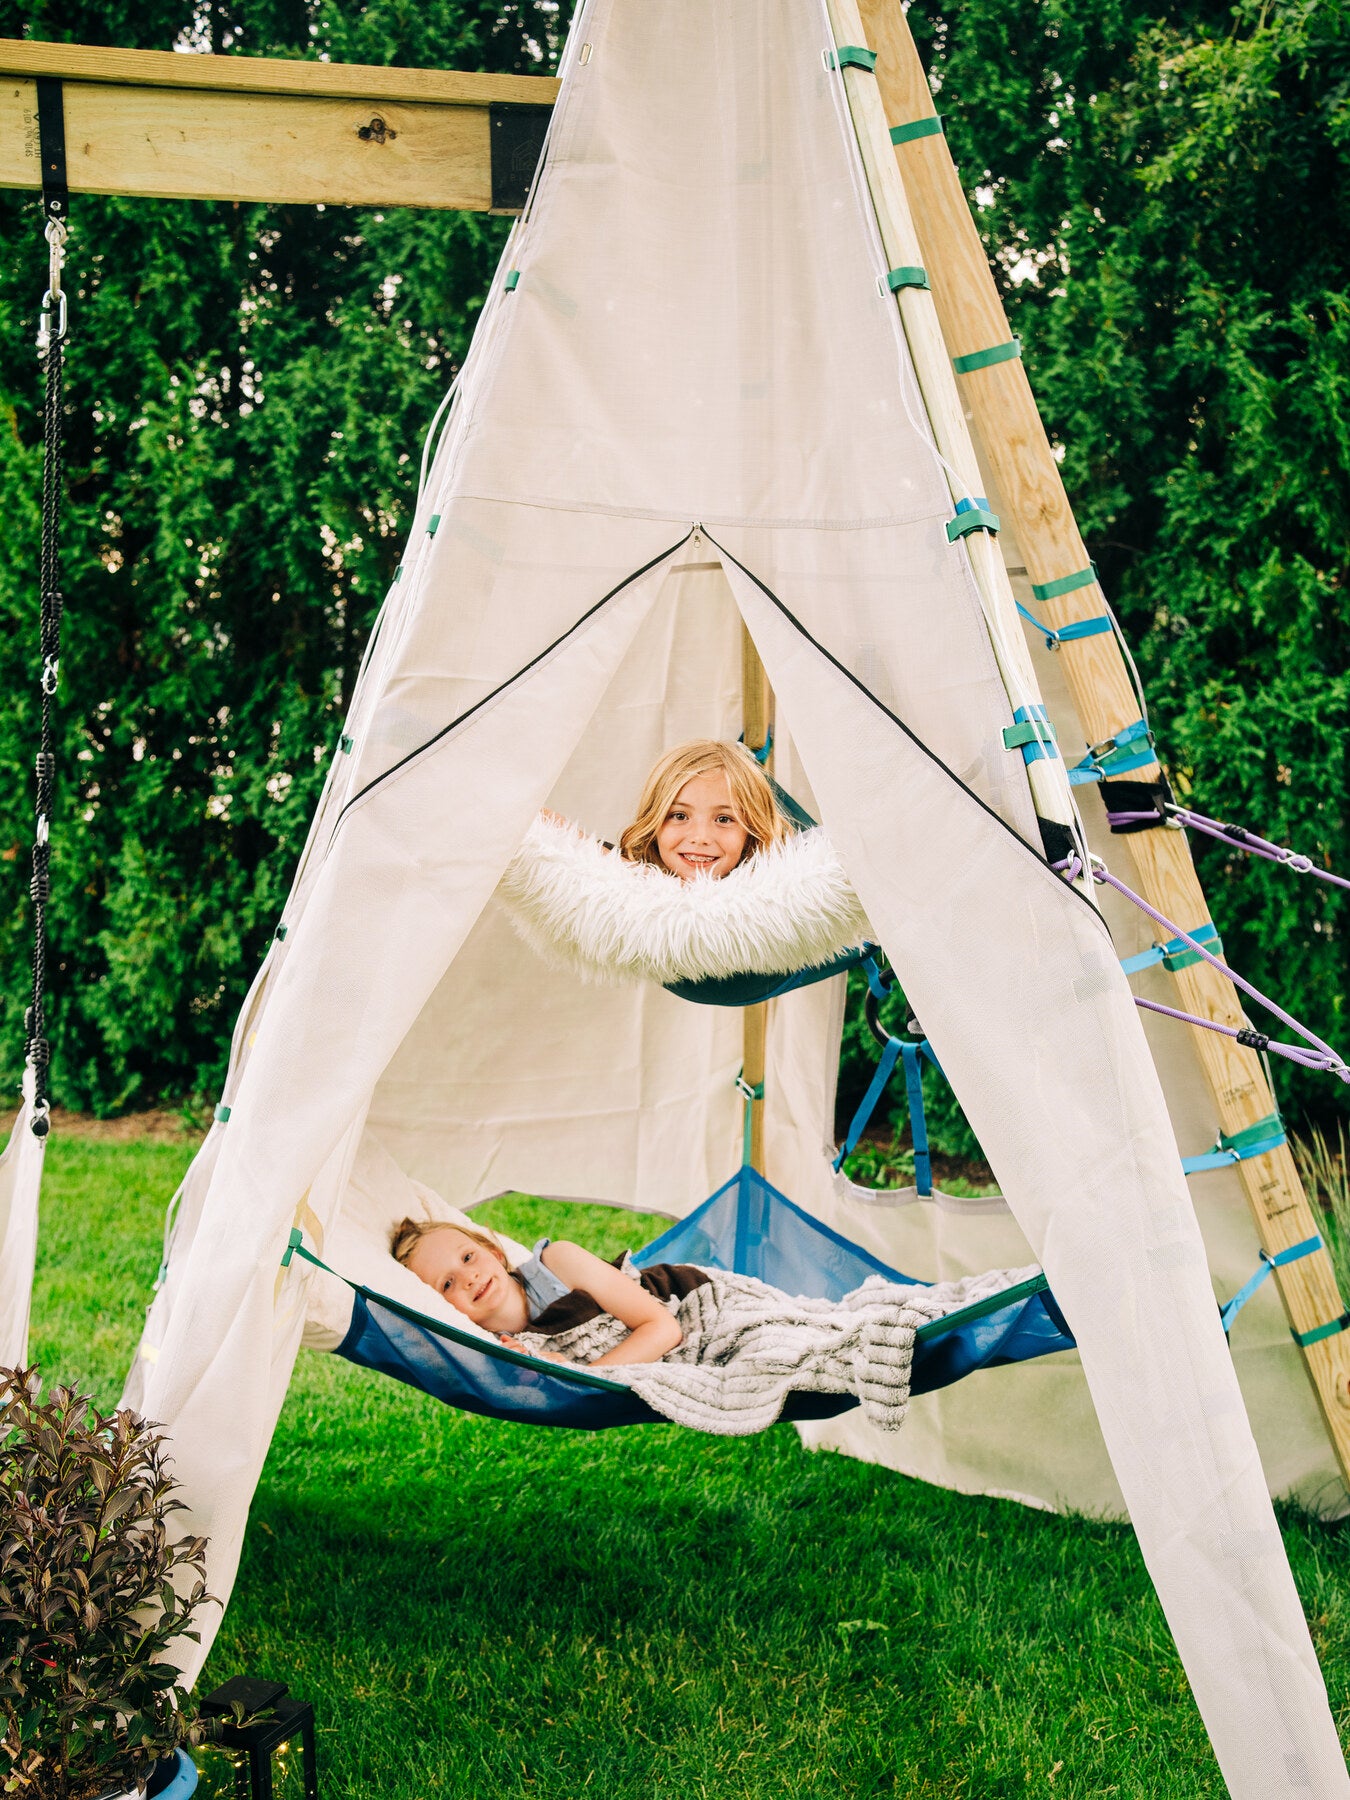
{"x": 172, "y": 1779}
{"x": 182, "y": 1777}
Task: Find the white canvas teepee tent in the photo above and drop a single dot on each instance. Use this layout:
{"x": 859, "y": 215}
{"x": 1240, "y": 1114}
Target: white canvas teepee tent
{"x": 690, "y": 408}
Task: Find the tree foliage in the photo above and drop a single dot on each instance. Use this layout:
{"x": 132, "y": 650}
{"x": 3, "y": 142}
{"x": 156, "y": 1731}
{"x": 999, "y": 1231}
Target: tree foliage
{"x": 1164, "y": 192}
{"x": 247, "y": 392}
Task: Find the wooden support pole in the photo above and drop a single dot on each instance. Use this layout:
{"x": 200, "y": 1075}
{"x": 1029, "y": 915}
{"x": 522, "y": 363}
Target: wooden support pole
{"x": 1032, "y": 492}
{"x": 157, "y": 125}
{"x": 756, "y": 729}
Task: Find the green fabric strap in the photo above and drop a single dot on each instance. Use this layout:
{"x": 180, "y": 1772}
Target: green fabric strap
{"x": 1271, "y": 1126}
{"x": 345, "y": 744}
{"x": 908, "y": 277}
{"x": 974, "y": 519}
{"x": 512, "y": 280}
{"x": 1040, "y": 732}
{"x": 983, "y": 359}
{"x": 434, "y": 522}
{"x": 1051, "y": 590}
{"x": 1318, "y": 1332}
{"x": 489, "y": 1346}
{"x": 855, "y": 56}
{"x": 936, "y": 1328}
{"x": 932, "y": 126}
{"x": 222, "y": 1115}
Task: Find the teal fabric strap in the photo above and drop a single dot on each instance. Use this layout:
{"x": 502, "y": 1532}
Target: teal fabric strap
{"x": 345, "y": 744}
{"x": 280, "y": 932}
{"x": 890, "y": 1056}
{"x": 1175, "y": 953}
{"x": 750, "y": 1094}
{"x": 932, "y": 126}
{"x": 1067, "y": 584}
{"x": 488, "y": 1346}
{"x": 971, "y": 515}
{"x": 1268, "y": 1262}
{"x": 984, "y": 359}
{"x": 1032, "y": 734}
{"x": 1318, "y": 1332}
{"x": 222, "y": 1115}
{"x": 1130, "y": 748}
{"x": 908, "y": 277}
{"x": 1055, "y": 635}
{"x": 1253, "y": 1140}
{"x": 979, "y": 1309}
{"x": 432, "y": 524}
{"x": 512, "y": 281}
{"x": 855, "y": 56}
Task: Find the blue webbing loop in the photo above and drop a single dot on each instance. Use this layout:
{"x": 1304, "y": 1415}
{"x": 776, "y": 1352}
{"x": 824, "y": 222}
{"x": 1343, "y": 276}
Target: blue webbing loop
{"x": 1055, "y": 635}
{"x": 1115, "y": 755}
{"x": 872, "y": 970}
{"x": 890, "y": 1055}
{"x": 765, "y": 750}
{"x": 1268, "y": 1262}
{"x": 918, "y": 1125}
{"x": 1205, "y": 934}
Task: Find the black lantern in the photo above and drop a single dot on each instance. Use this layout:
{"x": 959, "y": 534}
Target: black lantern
{"x": 254, "y": 1741}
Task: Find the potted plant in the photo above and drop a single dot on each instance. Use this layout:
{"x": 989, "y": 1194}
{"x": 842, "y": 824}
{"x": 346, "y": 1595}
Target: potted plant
{"x": 93, "y": 1593}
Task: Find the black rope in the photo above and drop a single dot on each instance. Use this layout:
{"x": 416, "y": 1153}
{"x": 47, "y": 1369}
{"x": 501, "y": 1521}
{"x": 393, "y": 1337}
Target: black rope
{"x": 51, "y": 345}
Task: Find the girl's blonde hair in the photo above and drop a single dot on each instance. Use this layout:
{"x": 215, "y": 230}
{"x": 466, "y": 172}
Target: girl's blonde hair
{"x": 752, "y": 797}
{"x": 409, "y": 1234}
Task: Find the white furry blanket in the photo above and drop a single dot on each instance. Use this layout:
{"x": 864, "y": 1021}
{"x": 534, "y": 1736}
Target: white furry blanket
{"x": 747, "y": 1347}
{"x": 584, "y": 908}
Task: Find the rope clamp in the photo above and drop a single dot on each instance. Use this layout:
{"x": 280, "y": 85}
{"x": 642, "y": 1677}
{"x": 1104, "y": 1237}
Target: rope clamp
{"x": 51, "y": 667}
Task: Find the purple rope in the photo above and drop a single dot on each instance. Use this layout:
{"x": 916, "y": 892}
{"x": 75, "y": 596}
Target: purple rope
{"x": 1238, "y": 838}
{"x": 1307, "y": 1059}
{"x": 1103, "y": 874}
{"x": 1321, "y": 1057}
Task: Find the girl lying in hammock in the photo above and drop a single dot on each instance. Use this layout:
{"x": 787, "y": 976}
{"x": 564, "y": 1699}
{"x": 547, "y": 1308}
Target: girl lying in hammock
{"x": 751, "y": 894}
{"x": 713, "y": 1350}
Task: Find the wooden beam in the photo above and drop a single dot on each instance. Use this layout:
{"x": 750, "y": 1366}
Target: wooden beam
{"x": 272, "y": 75}
{"x": 1023, "y": 466}
{"x": 162, "y": 126}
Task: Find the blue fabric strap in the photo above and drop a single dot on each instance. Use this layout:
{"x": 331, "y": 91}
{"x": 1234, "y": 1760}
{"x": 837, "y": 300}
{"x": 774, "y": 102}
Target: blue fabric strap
{"x": 1268, "y": 1262}
{"x": 1130, "y": 748}
{"x": 918, "y": 1125}
{"x": 1173, "y": 949}
{"x": 1253, "y": 1140}
{"x": 889, "y": 1057}
{"x": 1055, "y": 635}
{"x": 872, "y": 970}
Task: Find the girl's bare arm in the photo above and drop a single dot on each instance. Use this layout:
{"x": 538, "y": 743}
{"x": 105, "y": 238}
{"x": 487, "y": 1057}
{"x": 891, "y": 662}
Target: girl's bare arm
{"x": 653, "y": 1331}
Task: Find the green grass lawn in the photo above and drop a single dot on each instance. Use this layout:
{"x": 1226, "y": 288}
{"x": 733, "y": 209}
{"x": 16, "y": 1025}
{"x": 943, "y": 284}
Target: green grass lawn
{"x": 492, "y": 1611}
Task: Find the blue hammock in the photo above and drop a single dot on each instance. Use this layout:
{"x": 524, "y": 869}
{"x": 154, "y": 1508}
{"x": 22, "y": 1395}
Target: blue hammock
{"x": 747, "y": 1226}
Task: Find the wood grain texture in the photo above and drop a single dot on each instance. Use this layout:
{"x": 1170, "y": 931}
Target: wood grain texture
{"x": 171, "y": 143}
{"x": 1031, "y": 490}
{"x": 272, "y": 75}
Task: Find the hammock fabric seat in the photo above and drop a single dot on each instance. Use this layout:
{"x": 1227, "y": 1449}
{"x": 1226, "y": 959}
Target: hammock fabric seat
{"x": 746, "y": 1226}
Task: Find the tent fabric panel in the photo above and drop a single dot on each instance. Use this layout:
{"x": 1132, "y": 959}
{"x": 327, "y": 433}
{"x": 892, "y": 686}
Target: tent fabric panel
{"x": 406, "y": 874}
{"x": 20, "y": 1184}
{"x": 1015, "y": 980}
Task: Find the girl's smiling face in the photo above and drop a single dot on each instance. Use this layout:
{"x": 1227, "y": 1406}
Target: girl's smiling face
{"x": 471, "y": 1277}
{"x": 702, "y": 834}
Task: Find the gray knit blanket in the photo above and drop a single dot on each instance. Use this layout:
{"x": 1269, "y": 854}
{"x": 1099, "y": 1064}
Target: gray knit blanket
{"x": 746, "y": 1347}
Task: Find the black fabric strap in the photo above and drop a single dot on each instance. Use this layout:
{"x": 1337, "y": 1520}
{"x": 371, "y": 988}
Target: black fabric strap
{"x": 52, "y": 148}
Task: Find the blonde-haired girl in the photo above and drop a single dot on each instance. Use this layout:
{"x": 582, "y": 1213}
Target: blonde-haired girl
{"x": 705, "y": 806}
{"x": 753, "y": 894}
